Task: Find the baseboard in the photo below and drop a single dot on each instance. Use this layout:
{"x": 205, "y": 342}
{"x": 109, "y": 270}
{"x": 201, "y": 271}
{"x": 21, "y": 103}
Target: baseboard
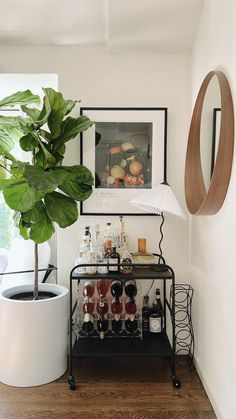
{"x": 208, "y": 391}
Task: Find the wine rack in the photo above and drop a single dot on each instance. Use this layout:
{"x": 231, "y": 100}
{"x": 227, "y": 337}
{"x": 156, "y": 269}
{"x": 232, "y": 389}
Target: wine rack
{"x": 144, "y": 345}
{"x": 109, "y": 332}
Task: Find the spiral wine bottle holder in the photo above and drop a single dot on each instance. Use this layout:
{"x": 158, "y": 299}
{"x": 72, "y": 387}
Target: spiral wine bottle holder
{"x": 184, "y": 336}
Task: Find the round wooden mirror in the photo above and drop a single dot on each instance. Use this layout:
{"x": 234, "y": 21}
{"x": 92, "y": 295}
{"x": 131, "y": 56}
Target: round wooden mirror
{"x": 199, "y": 199}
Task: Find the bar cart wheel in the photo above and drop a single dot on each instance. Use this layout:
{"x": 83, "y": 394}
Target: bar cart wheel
{"x": 71, "y": 382}
{"x": 176, "y": 382}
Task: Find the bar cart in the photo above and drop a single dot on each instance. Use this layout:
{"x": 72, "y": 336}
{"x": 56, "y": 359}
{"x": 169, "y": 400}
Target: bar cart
{"x": 151, "y": 345}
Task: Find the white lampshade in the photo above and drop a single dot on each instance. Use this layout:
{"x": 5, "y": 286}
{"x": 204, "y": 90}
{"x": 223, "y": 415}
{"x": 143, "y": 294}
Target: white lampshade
{"x": 159, "y": 199}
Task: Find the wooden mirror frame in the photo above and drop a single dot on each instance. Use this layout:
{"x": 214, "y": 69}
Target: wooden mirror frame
{"x": 200, "y": 201}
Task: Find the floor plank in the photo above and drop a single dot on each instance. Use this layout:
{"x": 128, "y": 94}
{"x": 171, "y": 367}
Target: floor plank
{"x": 112, "y": 388}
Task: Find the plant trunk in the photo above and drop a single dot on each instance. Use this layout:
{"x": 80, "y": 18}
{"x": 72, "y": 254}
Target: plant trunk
{"x": 36, "y": 272}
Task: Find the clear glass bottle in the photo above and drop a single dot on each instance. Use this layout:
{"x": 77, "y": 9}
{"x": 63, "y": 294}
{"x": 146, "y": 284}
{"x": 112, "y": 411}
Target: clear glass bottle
{"x": 107, "y": 236}
{"x": 126, "y": 267}
{"x": 91, "y": 260}
{"x": 113, "y": 261}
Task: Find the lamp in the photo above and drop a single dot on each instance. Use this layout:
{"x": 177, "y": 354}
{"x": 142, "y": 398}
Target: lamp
{"x": 159, "y": 200}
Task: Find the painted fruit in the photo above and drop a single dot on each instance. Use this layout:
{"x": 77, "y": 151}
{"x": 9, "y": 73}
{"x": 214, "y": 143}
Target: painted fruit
{"x": 117, "y": 172}
{"x": 135, "y": 168}
{"x": 127, "y": 146}
{"x": 115, "y": 150}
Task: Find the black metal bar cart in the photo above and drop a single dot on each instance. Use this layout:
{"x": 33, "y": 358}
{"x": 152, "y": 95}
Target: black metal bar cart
{"x": 151, "y": 345}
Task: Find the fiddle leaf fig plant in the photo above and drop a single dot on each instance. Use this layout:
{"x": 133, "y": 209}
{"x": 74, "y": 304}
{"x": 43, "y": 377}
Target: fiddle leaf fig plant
{"x": 42, "y": 191}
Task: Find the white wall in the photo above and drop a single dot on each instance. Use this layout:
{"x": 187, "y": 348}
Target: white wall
{"x": 100, "y": 79}
{"x": 213, "y": 237}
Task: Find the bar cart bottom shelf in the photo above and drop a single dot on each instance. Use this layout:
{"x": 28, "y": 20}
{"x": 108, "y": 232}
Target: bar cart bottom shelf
{"x": 156, "y": 345}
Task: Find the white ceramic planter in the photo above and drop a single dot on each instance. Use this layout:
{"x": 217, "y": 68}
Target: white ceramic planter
{"x": 33, "y": 337}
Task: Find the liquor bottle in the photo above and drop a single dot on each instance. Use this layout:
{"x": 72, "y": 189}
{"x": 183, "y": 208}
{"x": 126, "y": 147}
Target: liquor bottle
{"x": 130, "y": 288}
{"x": 116, "y": 309}
{"x": 88, "y": 289}
{"x": 126, "y": 266}
{"x": 122, "y": 237}
{"x": 113, "y": 259}
{"x": 108, "y": 249}
{"x": 88, "y": 306}
{"x": 80, "y": 261}
{"x": 88, "y": 324}
{"x": 145, "y": 314}
{"x": 91, "y": 260}
{"x": 108, "y": 235}
{"x": 156, "y": 315}
{"x": 97, "y": 244}
{"x": 117, "y": 289}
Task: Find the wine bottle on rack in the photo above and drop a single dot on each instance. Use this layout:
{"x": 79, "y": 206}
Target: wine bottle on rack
{"x": 116, "y": 309}
{"x": 131, "y": 323}
{"x": 131, "y": 288}
{"x": 88, "y": 306}
{"x": 113, "y": 261}
{"x": 117, "y": 289}
{"x": 102, "y": 321}
{"x": 88, "y": 324}
{"x": 88, "y": 289}
{"x": 103, "y": 287}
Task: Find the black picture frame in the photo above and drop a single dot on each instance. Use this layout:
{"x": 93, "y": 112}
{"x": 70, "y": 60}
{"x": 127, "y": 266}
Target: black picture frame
{"x": 148, "y": 129}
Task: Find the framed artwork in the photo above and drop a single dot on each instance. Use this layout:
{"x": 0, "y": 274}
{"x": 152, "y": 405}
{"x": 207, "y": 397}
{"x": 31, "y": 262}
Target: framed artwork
{"x": 126, "y": 150}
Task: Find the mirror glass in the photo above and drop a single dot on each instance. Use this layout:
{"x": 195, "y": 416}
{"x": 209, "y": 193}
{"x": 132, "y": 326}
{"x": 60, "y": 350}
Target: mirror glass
{"x": 210, "y": 128}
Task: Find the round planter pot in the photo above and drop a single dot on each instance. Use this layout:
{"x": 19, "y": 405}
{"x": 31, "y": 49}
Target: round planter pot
{"x": 33, "y": 336}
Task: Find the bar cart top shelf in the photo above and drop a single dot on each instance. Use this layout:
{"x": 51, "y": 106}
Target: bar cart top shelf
{"x": 139, "y": 272}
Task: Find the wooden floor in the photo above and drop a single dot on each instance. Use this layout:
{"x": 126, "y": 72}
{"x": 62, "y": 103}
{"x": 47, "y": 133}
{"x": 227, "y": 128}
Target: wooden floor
{"x": 110, "y": 388}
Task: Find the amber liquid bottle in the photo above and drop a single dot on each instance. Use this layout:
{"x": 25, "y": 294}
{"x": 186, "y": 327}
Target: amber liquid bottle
{"x": 88, "y": 289}
{"x": 113, "y": 261}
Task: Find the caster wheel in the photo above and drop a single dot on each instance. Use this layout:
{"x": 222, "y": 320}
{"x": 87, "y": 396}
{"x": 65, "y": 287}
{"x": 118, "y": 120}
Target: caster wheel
{"x": 176, "y": 383}
{"x": 71, "y": 382}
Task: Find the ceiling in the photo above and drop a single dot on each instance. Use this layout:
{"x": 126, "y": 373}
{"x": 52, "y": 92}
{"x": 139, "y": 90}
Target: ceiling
{"x": 123, "y": 26}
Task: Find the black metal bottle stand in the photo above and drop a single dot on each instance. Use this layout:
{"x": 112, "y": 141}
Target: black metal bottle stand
{"x": 153, "y": 345}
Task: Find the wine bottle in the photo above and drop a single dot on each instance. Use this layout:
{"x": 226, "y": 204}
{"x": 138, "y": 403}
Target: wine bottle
{"x": 88, "y": 324}
{"x": 102, "y": 308}
{"x": 156, "y": 315}
{"x": 88, "y": 306}
{"x": 116, "y": 326}
{"x": 145, "y": 314}
{"x": 131, "y": 324}
{"x": 103, "y": 287}
{"x": 102, "y": 326}
{"x": 113, "y": 259}
{"x": 131, "y": 288}
{"x": 130, "y": 307}
{"x": 117, "y": 289}
{"x": 88, "y": 289}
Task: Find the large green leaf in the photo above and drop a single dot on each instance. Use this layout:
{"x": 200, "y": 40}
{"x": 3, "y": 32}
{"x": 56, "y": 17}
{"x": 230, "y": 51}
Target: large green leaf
{"x": 33, "y": 113}
{"x": 77, "y": 181}
{"x": 69, "y": 105}
{"x": 41, "y": 231}
{"x": 24, "y": 230}
{"x": 9, "y": 121}
{"x": 18, "y": 168}
{"x": 72, "y": 127}
{"x": 35, "y": 214}
{"x": 6, "y": 154}
{"x": 57, "y": 105}
{"x": 4, "y": 183}
{"x": 20, "y": 98}
{"x": 61, "y": 209}
{"x": 28, "y": 142}
{"x": 19, "y": 196}
{"x": 40, "y": 179}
